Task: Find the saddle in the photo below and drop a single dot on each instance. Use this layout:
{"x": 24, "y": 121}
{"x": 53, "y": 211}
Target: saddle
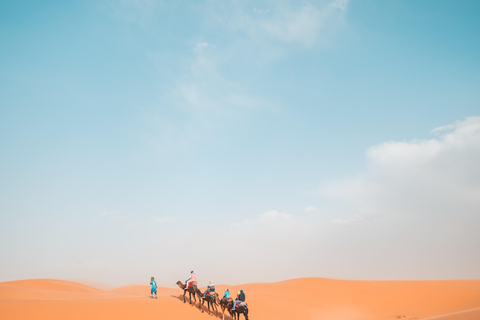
{"x": 227, "y": 299}
{"x": 210, "y": 293}
{"x": 191, "y": 284}
{"x": 241, "y": 304}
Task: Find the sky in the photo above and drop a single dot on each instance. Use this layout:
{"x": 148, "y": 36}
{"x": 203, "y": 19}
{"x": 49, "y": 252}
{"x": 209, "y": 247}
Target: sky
{"x": 250, "y": 141}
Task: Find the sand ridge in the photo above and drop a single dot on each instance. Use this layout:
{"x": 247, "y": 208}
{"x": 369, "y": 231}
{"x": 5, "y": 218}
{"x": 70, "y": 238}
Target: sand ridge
{"x": 306, "y": 298}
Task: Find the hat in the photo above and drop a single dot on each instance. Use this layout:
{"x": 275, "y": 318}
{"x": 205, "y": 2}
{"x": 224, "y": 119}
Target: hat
{"x": 241, "y": 291}
{"x": 191, "y": 271}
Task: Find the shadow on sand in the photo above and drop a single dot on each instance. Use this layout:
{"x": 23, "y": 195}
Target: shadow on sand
{"x": 202, "y": 307}
{"x": 180, "y": 297}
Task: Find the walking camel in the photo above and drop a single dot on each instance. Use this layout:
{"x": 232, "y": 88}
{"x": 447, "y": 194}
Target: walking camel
{"x": 240, "y": 310}
{"x": 212, "y": 299}
{"x": 191, "y": 290}
{"x": 226, "y": 303}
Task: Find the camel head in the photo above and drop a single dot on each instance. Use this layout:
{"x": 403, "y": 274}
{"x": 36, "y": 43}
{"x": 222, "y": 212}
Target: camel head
{"x": 180, "y": 284}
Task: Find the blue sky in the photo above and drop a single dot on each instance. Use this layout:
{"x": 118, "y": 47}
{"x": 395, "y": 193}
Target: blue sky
{"x": 135, "y": 130}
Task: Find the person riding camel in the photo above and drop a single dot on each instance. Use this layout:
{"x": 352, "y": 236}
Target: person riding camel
{"x": 192, "y": 280}
{"x": 210, "y": 288}
{"x": 239, "y": 299}
{"x": 226, "y": 295}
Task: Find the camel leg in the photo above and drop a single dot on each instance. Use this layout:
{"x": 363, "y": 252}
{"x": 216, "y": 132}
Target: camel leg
{"x": 184, "y": 292}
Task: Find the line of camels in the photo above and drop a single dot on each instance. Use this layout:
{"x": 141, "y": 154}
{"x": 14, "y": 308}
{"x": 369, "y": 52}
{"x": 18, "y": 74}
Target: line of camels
{"x": 213, "y": 300}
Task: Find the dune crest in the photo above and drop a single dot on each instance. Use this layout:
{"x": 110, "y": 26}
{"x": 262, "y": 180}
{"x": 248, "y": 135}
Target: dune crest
{"x": 306, "y": 298}
{"x": 51, "y": 285}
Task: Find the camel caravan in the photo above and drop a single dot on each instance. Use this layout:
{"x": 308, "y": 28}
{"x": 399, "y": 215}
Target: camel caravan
{"x": 234, "y": 307}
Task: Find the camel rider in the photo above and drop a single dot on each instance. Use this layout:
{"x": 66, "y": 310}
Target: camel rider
{"x": 236, "y": 300}
{"x": 192, "y": 280}
{"x": 240, "y": 298}
{"x": 226, "y": 295}
{"x": 210, "y": 288}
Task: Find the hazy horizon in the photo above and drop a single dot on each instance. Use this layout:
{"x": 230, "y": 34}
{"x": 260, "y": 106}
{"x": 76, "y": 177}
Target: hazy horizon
{"x": 248, "y": 141}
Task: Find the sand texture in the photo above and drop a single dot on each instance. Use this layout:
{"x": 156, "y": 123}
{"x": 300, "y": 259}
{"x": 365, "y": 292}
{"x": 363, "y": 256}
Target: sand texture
{"x": 308, "y": 298}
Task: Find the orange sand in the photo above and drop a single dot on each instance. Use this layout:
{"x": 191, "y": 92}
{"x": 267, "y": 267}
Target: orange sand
{"x": 311, "y": 298}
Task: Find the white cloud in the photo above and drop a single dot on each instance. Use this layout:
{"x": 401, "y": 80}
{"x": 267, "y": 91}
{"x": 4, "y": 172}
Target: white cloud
{"x": 287, "y": 22}
{"x": 299, "y": 26}
{"x": 310, "y": 209}
{"x": 412, "y": 213}
{"x": 214, "y": 90}
{"x": 200, "y": 46}
{"x": 340, "y": 4}
{"x": 273, "y": 215}
{"x": 443, "y": 128}
{"x": 424, "y": 178}
{"x": 417, "y": 201}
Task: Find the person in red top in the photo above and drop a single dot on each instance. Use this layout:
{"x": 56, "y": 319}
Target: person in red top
{"x": 192, "y": 280}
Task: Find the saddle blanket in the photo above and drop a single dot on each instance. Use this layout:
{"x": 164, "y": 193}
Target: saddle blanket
{"x": 210, "y": 293}
{"x": 243, "y": 304}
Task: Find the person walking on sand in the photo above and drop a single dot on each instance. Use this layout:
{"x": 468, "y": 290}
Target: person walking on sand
{"x": 154, "y": 287}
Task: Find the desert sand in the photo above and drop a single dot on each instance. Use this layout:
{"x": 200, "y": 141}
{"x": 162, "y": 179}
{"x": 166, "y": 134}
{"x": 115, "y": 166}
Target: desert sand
{"x": 306, "y": 298}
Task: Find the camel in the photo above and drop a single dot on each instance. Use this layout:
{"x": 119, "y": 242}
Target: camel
{"x": 226, "y": 304}
{"x": 239, "y": 310}
{"x": 191, "y": 290}
{"x": 210, "y": 301}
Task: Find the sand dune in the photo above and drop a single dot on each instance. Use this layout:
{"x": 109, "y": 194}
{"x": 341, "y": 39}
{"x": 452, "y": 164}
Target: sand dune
{"x": 310, "y": 298}
{"x": 51, "y": 285}
{"x": 462, "y": 315}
